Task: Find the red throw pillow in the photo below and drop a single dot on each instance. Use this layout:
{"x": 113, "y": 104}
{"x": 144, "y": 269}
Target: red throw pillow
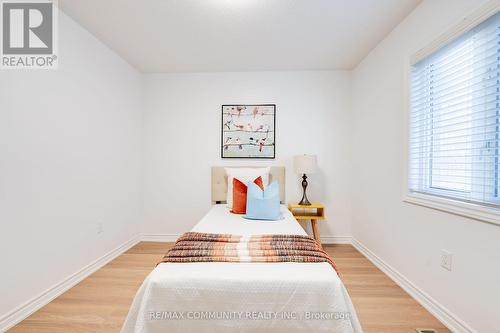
{"x": 240, "y": 195}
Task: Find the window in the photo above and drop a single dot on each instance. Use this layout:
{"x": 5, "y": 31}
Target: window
{"x": 455, "y": 118}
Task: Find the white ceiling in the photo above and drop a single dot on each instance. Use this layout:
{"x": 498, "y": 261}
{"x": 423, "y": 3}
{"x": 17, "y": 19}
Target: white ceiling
{"x": 239, "y": 35}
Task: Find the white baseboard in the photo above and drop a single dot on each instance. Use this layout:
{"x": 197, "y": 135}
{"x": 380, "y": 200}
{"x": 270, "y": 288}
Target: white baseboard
{"x": 444, "y": 315}
{"x": 336, "y": 239}
{"x": 160, "y": 237}
{"x": 23, "y": 311}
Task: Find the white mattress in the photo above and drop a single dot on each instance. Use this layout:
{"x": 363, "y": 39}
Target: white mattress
{"x": 219, "y": 220}
{"x": 242, "y": 297}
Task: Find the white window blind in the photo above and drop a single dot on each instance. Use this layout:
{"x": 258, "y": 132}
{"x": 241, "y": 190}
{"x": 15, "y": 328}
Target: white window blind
{"x": 455, "y": 118}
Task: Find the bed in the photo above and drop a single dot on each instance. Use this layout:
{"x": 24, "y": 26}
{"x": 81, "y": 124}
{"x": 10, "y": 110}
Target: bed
{"x": 242, "y": 297}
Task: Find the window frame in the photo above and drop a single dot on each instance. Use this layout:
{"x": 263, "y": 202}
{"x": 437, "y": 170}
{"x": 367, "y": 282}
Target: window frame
{"x": 470, "y": 210}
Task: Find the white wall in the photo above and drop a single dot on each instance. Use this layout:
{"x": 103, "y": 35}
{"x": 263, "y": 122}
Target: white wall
{"x": 70, "y": 157}
{"x": 409, "y": 237}
{"x": 182, "y": 140}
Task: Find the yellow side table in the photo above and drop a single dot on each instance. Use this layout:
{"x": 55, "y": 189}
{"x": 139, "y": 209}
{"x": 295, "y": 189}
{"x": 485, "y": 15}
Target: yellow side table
{"x": 314, "y": 212}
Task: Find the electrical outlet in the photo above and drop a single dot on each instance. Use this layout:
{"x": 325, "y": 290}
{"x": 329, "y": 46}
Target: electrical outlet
{"x": 100, "y": 228}
{"x": 446, "y": 259}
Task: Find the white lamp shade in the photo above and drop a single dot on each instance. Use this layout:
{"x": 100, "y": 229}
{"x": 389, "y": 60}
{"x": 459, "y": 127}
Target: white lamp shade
{"x": 305, "y": 164}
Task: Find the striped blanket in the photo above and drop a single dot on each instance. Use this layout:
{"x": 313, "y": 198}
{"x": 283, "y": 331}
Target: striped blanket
{"x": 205, "y": 247}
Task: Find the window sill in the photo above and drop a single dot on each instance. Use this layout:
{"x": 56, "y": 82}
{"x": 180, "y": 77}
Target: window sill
{"x": 476, "y": 212}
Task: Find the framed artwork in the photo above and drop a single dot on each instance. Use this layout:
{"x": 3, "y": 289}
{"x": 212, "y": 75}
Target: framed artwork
{"x": 248, "y": 131}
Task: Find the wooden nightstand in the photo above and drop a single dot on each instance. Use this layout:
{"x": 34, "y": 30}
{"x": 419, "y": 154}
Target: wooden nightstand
{"x": 313, "y": 213}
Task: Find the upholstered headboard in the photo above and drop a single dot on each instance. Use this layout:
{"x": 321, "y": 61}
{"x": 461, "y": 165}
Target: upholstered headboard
{"x": 219, "y": 182}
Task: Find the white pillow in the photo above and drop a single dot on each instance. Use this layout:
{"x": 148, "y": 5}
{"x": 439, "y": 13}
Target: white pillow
{"x": 245, "y": 175}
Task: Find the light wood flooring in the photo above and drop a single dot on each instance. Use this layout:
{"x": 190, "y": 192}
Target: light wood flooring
{"x": 99, "y": 304}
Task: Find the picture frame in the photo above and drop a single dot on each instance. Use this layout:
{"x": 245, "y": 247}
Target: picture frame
{"x": 248, "y": 131}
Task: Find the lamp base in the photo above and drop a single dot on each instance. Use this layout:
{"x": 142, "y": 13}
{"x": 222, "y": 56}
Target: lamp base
{"x": 304, "y": 201}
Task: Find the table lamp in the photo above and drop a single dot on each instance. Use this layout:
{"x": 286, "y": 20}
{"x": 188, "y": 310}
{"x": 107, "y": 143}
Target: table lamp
{"x": 305, "y": 164}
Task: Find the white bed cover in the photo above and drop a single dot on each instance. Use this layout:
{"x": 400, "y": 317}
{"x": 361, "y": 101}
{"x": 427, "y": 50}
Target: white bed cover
{"x": 242, "y": 297}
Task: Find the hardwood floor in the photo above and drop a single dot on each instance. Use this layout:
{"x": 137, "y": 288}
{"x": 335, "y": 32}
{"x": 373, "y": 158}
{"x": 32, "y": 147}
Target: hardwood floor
{"x": 382, "y": 306}
{"x": 100, "y": 302}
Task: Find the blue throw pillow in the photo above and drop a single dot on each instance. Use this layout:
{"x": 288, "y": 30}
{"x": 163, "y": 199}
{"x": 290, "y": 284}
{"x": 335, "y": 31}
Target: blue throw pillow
{"x": 263, "y": 205}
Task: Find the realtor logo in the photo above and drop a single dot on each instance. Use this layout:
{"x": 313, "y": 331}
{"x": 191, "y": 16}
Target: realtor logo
{"x": 28, "y": 34}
